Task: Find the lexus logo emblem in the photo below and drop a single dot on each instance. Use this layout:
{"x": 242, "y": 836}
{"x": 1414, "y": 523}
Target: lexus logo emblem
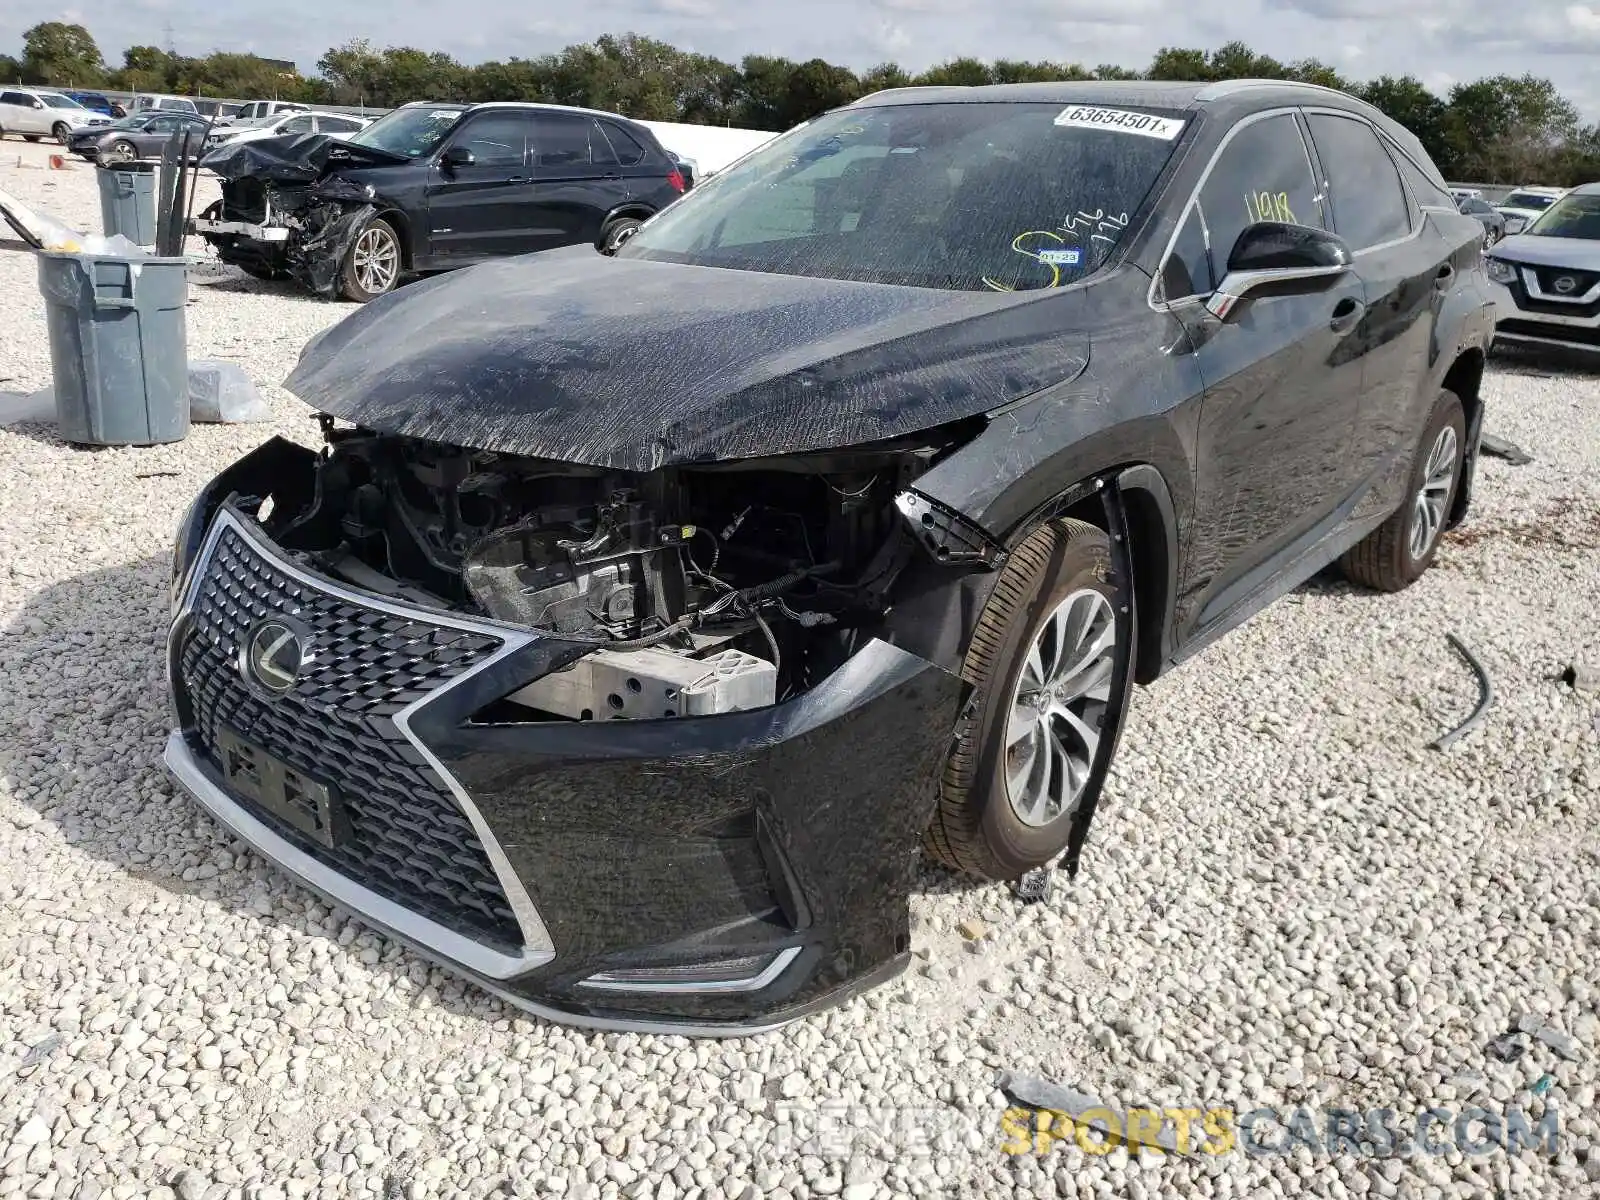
{"x": 272, "y": 656}
{"x": 1566, "y": 284}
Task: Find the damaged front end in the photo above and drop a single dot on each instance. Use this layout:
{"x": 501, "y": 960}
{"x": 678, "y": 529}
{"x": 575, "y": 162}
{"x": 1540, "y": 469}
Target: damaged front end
{"x": 287, "y": 208}
{"x": 651, "y": 750}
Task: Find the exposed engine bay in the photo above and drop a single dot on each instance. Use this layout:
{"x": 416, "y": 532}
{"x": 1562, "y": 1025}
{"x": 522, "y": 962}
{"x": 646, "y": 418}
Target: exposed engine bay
{"x": 703, "y": 590}
{"x": 287, "y": 209}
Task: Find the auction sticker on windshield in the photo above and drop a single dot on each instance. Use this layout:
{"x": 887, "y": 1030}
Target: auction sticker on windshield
{"x": 1084, "y": 116}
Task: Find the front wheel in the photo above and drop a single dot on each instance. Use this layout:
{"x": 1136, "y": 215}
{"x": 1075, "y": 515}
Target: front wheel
{"x": 62, "y": 132}
{"x": 122, "y": 152}
{"x": 372, "y": 265}
{"x": 1049, "y": 662}
{"x": 1396, "y": 553}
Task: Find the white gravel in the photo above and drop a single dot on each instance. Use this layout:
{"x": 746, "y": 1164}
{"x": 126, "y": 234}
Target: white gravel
{"x": 1287, "y": 898}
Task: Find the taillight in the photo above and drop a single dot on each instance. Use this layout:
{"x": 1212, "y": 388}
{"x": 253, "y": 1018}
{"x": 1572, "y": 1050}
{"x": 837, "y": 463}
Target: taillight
{"x": 675, "y": 178}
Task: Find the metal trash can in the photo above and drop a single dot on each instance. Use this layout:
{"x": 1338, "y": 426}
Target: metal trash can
{"x": 118, "y": 347}
{"x": 128, "y": 201}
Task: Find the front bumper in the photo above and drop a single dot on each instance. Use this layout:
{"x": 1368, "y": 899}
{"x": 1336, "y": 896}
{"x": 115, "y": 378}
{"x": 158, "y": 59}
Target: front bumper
{"x": 718, "y": 875}
{"x": 1529, "y": 315}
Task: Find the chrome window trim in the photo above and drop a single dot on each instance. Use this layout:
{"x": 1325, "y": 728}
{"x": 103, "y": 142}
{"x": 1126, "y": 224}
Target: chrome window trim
{"x": 537, "y": 948}
{"x": 605, "y": 981}
{"x": 1416, "y": 225}
{"x": 1194, "y": 199}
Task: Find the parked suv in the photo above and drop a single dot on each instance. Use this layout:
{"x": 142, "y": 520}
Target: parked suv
{"x": 642, "y": 613}
{"x": 1547, "y": 280}
{"x": 41, "y": 112}
{"x": 258, "y": 110}
{"x": 429, "y": 187}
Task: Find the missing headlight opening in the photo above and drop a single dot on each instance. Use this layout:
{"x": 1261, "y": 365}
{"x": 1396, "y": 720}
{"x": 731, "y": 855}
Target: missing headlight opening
{"x": 701, "y": 590}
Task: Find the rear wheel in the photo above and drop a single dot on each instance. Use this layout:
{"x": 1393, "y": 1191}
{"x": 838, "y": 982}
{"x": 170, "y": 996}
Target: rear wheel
{"x": 1394, "y": 555}
{"x": 372, "y": 266}
{"x": 1044, "y": 662}
{"x": 617, "y": 232}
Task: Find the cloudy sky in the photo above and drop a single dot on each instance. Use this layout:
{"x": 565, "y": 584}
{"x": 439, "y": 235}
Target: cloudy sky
{"x": 1440, "y": 41}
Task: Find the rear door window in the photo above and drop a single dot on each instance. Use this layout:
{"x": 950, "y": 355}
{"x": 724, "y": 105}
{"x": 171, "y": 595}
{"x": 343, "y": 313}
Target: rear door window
{"x": 1369, "y": 202}
{"x": 561, "y": 144}
{"x": 300, "y": 124}
{"x": 1263, "y": 173}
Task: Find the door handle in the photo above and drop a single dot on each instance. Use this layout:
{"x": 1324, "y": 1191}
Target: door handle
{"x": 1345, "y": 315}
{"x": 1445, "y": 275}
{"x": 519, "y": 179}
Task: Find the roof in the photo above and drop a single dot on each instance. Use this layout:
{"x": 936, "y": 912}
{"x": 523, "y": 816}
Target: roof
{"x": 1228, "y": 100}
{"x": 1254, "y": 93}
{"x": 459, "y": 106}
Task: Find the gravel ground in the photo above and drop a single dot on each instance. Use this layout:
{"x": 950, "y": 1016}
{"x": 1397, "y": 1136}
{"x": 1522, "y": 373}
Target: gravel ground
{"x": 1288, "y": 899}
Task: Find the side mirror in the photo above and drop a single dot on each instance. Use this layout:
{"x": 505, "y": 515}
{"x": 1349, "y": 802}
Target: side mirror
{"x": 458, "y": 156}
{"x": 38, "y": 103}
{"x": 1290, "y": 259}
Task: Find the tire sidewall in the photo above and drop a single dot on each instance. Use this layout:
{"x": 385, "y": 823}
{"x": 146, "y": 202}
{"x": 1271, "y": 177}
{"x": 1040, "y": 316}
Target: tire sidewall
{"x": 1446, "y": 411}
{"x": 1015, "y": 846}
{"x": 62, "y": 133}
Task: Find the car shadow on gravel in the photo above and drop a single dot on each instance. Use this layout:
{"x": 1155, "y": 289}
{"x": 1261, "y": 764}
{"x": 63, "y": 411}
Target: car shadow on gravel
{"x": 80, "y": 748}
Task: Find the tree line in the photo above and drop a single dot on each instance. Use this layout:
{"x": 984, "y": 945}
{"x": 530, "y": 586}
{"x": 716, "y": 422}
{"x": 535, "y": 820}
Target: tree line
{"x": 1502, "y": 129}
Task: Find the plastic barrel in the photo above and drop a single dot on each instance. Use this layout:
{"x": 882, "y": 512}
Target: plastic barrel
{"x": 128, "y": 201}
{"x": 118, "y": 347}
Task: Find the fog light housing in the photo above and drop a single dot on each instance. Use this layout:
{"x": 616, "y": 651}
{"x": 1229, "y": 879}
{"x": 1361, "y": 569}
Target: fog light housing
{"x": 750, "y": 973}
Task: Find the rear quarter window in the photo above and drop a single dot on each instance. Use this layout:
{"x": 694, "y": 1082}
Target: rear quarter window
{"x": 626, "y": 147}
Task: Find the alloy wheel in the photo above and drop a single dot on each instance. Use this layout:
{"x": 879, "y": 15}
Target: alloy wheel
{"x": 1053, "y": 733}
{"x": 377, "y": 260}
{"x": 1428, "y": 509}
{"x": 123, "y": 152}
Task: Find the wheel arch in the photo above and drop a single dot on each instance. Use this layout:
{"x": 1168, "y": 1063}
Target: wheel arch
{"x": 638, "y": 210}
{"x": 1153, "y": 547}
{"x": 1464, "y": 377}
{"x": 402, "y": 226}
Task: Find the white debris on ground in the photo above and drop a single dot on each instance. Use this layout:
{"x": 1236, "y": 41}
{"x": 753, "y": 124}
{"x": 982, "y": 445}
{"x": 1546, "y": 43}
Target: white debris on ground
{"x": 1287, "y": 898}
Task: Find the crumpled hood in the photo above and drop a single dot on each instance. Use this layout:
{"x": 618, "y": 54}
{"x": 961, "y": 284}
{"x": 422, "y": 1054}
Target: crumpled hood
{"x": 1579, "y": 253}
{"x": 633, "y": 365}
{"x": 296, "y": 158}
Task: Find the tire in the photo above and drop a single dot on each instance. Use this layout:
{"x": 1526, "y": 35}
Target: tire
{"x": 359, "y": 278}
{"x": 616, "y": 232}
{"x": 1390, "y": 557}
{"x": 121, "y": 151}
{"x": 1062, "y": 568}
{"x": 30, "y": 137}
{"x": 62, "y": 132}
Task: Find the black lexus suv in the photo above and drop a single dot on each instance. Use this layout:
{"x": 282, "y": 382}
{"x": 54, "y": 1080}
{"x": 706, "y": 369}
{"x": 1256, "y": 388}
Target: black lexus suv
{"x": 644, "y": 613}
{"x": 431, "y": 187}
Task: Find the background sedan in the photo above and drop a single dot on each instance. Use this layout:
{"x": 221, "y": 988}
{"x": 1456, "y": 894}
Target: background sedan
{"x": 1491, "y": 218}
{"x": 140, "y": 136}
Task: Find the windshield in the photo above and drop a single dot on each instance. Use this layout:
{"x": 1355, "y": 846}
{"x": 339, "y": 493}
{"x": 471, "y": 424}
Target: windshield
{"x": 57, "y": 100}
{"x": 965, "y": 197}
{"x": 1528, "y": 200}
{"x": 1573, "y": 216}
{"x": 413, "y": 132}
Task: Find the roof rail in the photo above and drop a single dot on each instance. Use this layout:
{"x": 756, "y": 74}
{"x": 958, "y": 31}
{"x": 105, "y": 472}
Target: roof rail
{"x": 1227, "y": 87}
{"x": 910, "y": 87}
